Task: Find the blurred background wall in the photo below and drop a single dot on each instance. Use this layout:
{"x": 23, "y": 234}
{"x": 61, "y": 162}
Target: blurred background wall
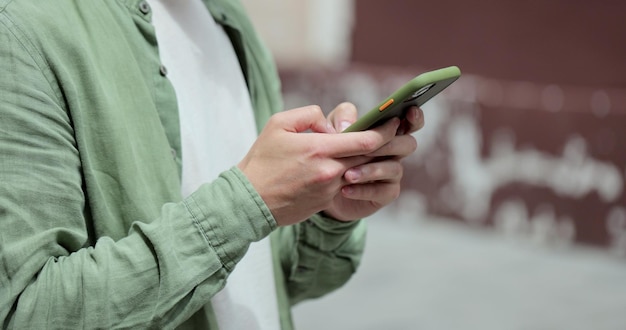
{"x": 529, "y": 145}
{"x": 544, "y": 103}
{"x": 530, "y": 140}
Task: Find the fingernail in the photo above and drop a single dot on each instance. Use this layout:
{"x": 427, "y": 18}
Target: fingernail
{"x": 353, "y": 175}
{"x": 343, "y": 125}
{"x": 348, "y": 190}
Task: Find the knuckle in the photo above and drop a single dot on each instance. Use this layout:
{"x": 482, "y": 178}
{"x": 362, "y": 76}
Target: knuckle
{"x": 404, "y": 145}
{"x": 395, "y": 193}
{"x": 393, "y": 171}
{"x": 315, "y": 109}
{"x": 399, "y": 170}
{"x": 347, "y": 106}
{"x": 276, "y": 119}
{"x": 316, "y": 151}
{"x": 413, "y": 143}
{"x": 368, "y": 144}
{"x": 392, "y": 192}
{"x": 326, "y": 175}
{"x": 421, "y": 124}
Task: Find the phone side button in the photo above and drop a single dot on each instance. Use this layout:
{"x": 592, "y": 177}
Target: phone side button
{"x": 385, "y": 105}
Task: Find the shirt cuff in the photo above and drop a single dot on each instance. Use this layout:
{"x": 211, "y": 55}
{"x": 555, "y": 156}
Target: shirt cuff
{"x": 230, "y": 215}
{"x": 328, "y": 234}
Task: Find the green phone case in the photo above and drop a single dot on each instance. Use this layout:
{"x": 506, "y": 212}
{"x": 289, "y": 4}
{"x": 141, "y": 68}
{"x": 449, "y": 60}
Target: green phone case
{"x": 416, "y": 92}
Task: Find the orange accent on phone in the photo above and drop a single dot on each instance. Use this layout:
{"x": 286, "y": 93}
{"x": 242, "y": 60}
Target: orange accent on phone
{"x": 385, "y": 105}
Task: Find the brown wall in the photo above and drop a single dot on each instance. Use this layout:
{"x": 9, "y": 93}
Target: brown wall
{"x": 577, "y": 47}
{"x": 558, "y": 41}
{"x": 544, "y": 79}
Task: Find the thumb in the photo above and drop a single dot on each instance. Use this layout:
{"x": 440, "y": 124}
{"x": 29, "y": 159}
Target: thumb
{"x": 343, "y": 116}
{"x": 305, "y": 118}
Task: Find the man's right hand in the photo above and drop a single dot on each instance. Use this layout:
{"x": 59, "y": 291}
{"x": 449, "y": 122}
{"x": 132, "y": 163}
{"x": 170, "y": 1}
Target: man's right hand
{"x": 298, "y": 168}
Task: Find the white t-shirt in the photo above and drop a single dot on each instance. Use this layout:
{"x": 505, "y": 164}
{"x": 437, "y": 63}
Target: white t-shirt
{"x": 217, "y": 129}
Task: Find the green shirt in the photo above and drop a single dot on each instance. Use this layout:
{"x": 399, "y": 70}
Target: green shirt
{"x": 94, "y": 232}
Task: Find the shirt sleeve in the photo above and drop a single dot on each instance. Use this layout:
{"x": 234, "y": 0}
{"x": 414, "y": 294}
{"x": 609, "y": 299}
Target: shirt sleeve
{"x": 319, "y": 255}
{"x": 53, "y": 272}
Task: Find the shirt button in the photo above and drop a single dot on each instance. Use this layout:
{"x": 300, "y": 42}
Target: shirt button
{"x": 163, "y": 70}
{"x": 144, "y": 7}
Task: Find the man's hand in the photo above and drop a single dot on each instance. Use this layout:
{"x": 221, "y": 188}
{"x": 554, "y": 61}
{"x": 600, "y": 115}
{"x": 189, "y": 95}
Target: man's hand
{"x": 375, "y": 184}
{"x": 299, "y": 169}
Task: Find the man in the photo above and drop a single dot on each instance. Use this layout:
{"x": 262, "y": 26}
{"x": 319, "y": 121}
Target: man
{"x": 120, "y": 202}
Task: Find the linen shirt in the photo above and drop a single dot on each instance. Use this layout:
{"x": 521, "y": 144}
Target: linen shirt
{"x": 206, "y": 75}
{"x": 94, "y": 232}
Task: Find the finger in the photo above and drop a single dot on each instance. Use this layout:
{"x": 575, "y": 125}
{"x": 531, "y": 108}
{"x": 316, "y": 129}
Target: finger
{"x": 378, "y": 193}
{"x": 302, "y": 119}
{"x": 401, "y": 146}
{"x": 387, "y": 171}
{"x": 414, "y": 120}
{"x": 343, "y": 116}
{"x": 360, "y": 143}
{"x": 348, "y": 163}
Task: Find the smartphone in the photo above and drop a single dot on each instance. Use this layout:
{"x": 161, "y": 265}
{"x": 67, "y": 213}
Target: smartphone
{"x": 415, "y": 92}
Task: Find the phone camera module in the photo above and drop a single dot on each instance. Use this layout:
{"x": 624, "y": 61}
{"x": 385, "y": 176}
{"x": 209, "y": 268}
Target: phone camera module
{"x": 420, "y": 92}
